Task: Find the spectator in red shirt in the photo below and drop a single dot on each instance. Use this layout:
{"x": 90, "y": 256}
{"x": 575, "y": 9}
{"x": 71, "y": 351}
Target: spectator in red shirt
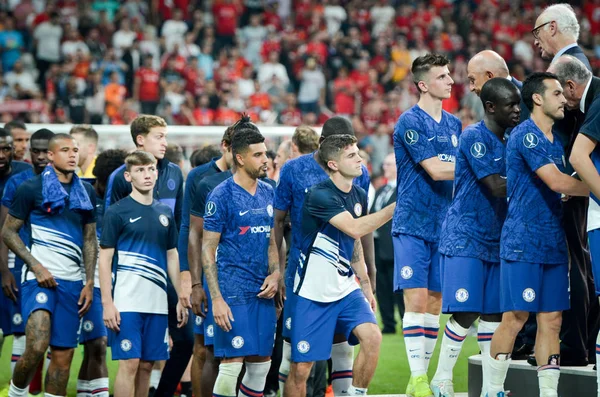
{"x": 344, "y": 94}
{"x": 226, "y": 15}
{"x": 203, "y": 114}
{"x": 146, "y": 88}
{"x": 225, "y": 116}
{"x": 373, "y": 89}
{"x": 361, "y": 74}
{"x": 291, "y": 115}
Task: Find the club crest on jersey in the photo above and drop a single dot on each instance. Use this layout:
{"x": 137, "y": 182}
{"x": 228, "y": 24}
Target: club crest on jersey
{"x": 210, "y": 331}
{"x": 171, "y": 184}
{"x": 411, "y": 137}
{"x": 126, "y": 345}
{"x": 530, "y": 140}
{"x": 357, "y": 209}
{"x": 41, "y": 297}
{"x": 529, "y": 295}
{"x": 454, "y": 141}
{"x": 88, "y": 326}
{"x": 198, "y": 320}
{"x": 163, "y": 220}
{"x": 237, "y": 342}
{"x": 406, "y": 272}
{"x": 288, "y": 323}
{"x": 17, "y": 319}
{"x": 211, "y": 208}
{"x": 462, "y": 295}
{"x": 478, "y": 150}
{"x": 270, "y": 210}
{"x": 303, "y": 346}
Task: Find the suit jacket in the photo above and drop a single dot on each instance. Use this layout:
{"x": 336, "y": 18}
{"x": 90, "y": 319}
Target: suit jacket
{"x": 384, "y": 248}
{"x": 578, "y": 53}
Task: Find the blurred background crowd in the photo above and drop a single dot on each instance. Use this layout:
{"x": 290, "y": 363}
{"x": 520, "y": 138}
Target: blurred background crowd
{"x": 287, "y": 62}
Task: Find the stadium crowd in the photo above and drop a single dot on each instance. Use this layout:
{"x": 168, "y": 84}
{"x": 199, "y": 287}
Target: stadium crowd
{"x": 399, "y": 81}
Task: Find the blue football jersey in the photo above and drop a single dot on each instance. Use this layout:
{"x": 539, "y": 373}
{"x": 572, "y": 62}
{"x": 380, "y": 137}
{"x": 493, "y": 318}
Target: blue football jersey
{"x": 474, "y": 220}
{"x": 296, "y": 178}
{"x": 532, "y": 231}
{"x": 245, "y": 223}
{"x": 141, "y": 236}
{"x": 325, "y": 273}
{"x": 422, "y": 202}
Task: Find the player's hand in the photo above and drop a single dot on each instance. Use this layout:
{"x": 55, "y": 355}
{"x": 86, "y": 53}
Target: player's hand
{"x": 182, "y": 314}
{"x": 186, "y": 292}
{"x": 44, "y": 277}
{"x": 85, "y": 299}
{"x": 111, "y": 316}
{"x": 280, "y": 298}
{"x": 199, "y": 301}
{"x": 370, "y": 298}
{"x": 270, "y": 286}
{"x": 9, "y": 285}
{"x": 222, "y": 314}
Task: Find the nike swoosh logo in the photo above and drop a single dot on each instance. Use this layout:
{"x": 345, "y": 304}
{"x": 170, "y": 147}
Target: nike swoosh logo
{"x": 498, "y": 159}
{"x": 431, "y": 139}
{"x": 428, "y": 353}
{"x": 135, "y": 220}
{"x": 413, "y": 350}
{"x": 242, "y": 213}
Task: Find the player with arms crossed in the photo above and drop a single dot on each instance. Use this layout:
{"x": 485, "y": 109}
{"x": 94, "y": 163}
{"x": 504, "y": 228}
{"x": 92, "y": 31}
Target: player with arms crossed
{"x": 59, "y": 212}
{"x": 244, "y": 277}
{"x": 329, "y": 299}
{"x": 140, "y": 233}
{"x": 425, "y": 142}
{"x": 533, "y": 248}
{"x": 470, "y": 235}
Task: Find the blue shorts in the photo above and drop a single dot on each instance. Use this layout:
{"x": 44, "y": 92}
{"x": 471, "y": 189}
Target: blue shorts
{"x": 61, "y": 303}
{"x": 315, "y": 324}
{"x": 5, "y": 314}
{"x": 470, "y": 285}
{"x": 209, "y": 322}
{"x": 252, "y": 333}
{"x": 533, "y": 287}
{"x": 92, "y": 323}
{"x": 198, "y": 325}
{"x": 288, "y": 311}
{"x": 594, "y": 240}
{"x": 142, "y": 335}
{"x": 416, "y": 263}
{"x": 16, "y": 314}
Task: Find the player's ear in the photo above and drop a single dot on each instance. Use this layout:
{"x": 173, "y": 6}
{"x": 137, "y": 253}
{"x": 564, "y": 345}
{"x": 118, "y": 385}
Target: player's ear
{"x": 332, "y": 165}
{"x": 422, "y": 86}
{"x": 127, "y": 176}
{"x": 490, "y": 107}
{"x": 537, "y": 99}
{"x": 139, "y": 140}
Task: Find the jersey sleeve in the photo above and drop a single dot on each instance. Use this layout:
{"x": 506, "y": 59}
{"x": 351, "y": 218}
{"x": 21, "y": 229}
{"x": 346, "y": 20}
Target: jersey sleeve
{"x": 216, "y": 212}
{"x": 479, "y": 154}
{"x": 324, "y": 205}
{"x": 199, "y": 201}
{"x": 414, "y": 139}
{"x": 173, "y": 236}
{"x": 591, "y": 125}
{"x": 283, "y": 192}
{"x": 534, "y": 150}
{"x": 90, "y": 216}
{"x": 111, "y": 228}
{"x": 178, "y": 212}
{"x": 117, "y": 187}
{"x": 184, "y": 230}
{"x": 364, "y": 181}
{"x": 23, "y": 202}
{"x": 9, "y": 192}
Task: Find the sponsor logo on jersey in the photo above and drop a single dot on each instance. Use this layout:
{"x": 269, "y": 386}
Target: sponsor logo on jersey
{"x": 254, "y": 229}
{"x": 448, "y": 158}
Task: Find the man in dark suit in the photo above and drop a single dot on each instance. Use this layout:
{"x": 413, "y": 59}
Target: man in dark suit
{"x": 580, "y": 323}
{"x": 384, "y": 251}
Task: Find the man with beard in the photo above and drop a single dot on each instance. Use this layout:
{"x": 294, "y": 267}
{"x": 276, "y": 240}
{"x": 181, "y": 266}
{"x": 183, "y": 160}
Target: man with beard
{"x": 20, "y": 136}
{"x": 11, "y": 281}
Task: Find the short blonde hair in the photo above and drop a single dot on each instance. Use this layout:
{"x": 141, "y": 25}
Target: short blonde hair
{"x": 306, "y": 139}
{"x": 143, "y": 124}
{"x": 139, "y": 157}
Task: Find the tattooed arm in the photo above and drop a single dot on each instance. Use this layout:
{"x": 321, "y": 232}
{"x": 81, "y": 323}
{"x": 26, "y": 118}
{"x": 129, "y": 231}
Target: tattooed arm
{"x": 360, "y": 269}
{"x": 90, "y": 257}
{"x": 10, "y": 235}
{"x": 269, "y": 286}
{"x": 221, "y": 311}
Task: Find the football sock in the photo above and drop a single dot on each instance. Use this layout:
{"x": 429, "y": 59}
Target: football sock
{"x": 413, "y": 325}
{"x": 452, "y": 342}
{"x": 342, "y": 360}
{"x": 227, "y": 379}
{"x": 253, "y": 383}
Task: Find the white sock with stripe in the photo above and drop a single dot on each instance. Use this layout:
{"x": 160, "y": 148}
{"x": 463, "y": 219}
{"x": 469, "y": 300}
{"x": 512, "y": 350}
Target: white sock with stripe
{"x": 18, "y": 349}
{"x": 99, "y": 387}
{"x": 253, "y": 383}
{"x": 226, "y": 382}
{"x": 342, "y": 360}
{"x": 548, "y": 376}
{"x": 452, "y": 342}
{"x": 430, "y": 330}
{"x": 83, "y": 388}
{"x": 485, "y": 332}
{"x": 284, "y": 367}
{"x": 413, "y": 325}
